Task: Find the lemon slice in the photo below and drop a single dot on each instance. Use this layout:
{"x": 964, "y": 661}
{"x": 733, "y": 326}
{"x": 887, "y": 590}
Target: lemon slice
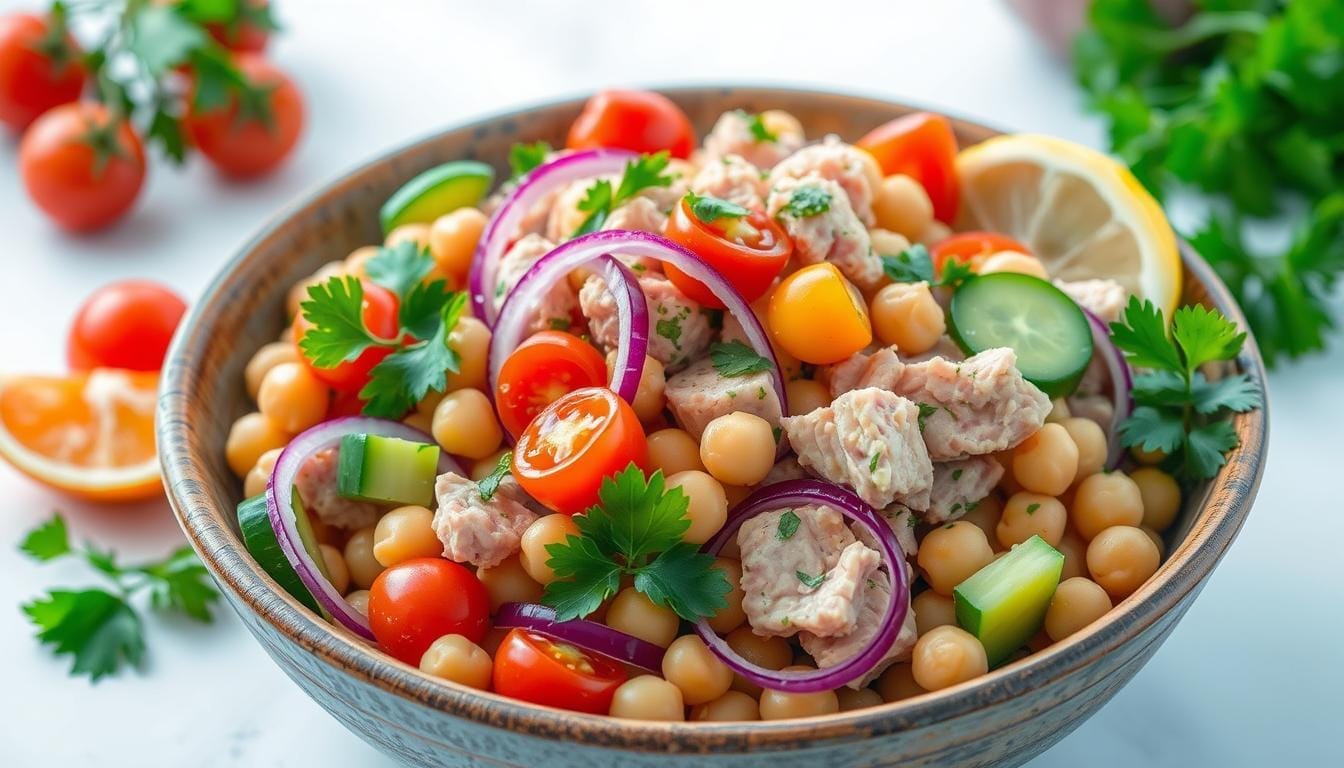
{"x": 1083, "y": 214}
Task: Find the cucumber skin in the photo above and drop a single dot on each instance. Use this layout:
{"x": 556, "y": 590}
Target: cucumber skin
{"x": 254, "y": 522}
{"x": 397, "y": 210}
{"x": 970, "y": 615}
{"x": 353, "y": 471}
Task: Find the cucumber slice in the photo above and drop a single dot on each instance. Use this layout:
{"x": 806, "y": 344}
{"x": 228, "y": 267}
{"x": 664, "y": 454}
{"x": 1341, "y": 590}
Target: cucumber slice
{"x": 1004, "y": 603}
{"x": 1047, "y": 330}
{"x": 387, "y": 469}
{"x": 437, "y": 191}
{"x": 259, "y": 538}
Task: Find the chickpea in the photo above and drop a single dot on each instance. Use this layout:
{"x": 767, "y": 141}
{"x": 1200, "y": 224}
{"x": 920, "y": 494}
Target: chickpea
{"x": 674, "y": 450}
{"x": 1161, "y": 497}
{"x": 768, "y": 652}
{"x": 359, "y": 600}
{"x": 900, "y": 204}
{"x": 1059, "y": 411}
{"x": 806, "y": 395}
{"x": 509, "y": 582}
{"x": 1047, "y": 461}
{"x": 732, "y": 616}
{"x": 947, "y": 656}
{"x": 649, "y": 400}
{"x": 692, "y": 667}
{"x": 257, "y": 477}
{"x": 1031, "y": 514}
{"x": 1077, "y": 603}
{"x": 1121, "y": 558}
{"x": 337, "y": 573}
{"x": 405, "y": 533}
{"x": 419, "y": 421}
{"x": 986, "y": 516}
{"x": 1104, "y": 500}
{"x": 1090, "y": 439}
{"x": 357, "y": 262}
{"x": 886, "y": 242}
{"x": 292, "y": 397}
{"x": 470, "y": 339}
{"x": 1074, "y": 550}
{"x": 464, "y": 424}
{"x": 1156, "y": 538}
{"x": 452, "y": 241}
{"x": 298, "y": 293}
{"x": 648, "y": 697}
{"x": 416, "y": 232}
{"x": 532, "y": 554}
{"x": 778, "y": 705}
{"x": 731, "y": 706}
{"x": 738, "y": 448}
{"x": 708, "y": 507}
{"x": 897, "y": 683}
{"x": 263, "y": 360}
{"x": 932, "y": 610}
{"x": 1147, "y": 458}
{"x": 907, "y": 315}
{"x": 950, "y": 553}
{"x": 364, "y": 567}
{"x": 455, "y": 658}
{"x": 249, "y": 437}
{"x": 485, "y": 467}
{"x": 851, "y": 699}
{"x": 633, "y": 613}
{"x": 935, "y": 232}
{"x": 1013, "y": 261}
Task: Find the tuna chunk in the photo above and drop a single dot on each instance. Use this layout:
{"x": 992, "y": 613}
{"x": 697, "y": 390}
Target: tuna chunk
{"x": 835, "y": 234}
{"x": 1103, "y": 298}
{"x": 869, "y": 440}
{"x": 853, "y": 169}
{"x": 731, "y": 178}
{"x": 731, "y": 135}
{"x": 958, "y": 486}
{"x": 776, "y": 571}
{"x": 699, "y": 394}
{"x": 557, "y": 305}
{"x": 830, "y": 651}
{"x": 945, "y": 348}
{"x": 483, "y": 533}
{"x": 639, "y": 215}
{"x": 902, "y": 521}
{"x": 316, "y": 481}
{"x": 679, "y": 330}
{"x": 786, "y": 468}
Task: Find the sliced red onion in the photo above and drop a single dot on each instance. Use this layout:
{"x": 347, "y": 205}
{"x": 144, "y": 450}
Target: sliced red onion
{"x": 632, "y": 317}
{"x": 589, "y": 635}
{"x": 502, "y": 227}
{"x": 1121, "y": 384}
{"x": 795, "y": 493}
{"x": 280, "y": 509}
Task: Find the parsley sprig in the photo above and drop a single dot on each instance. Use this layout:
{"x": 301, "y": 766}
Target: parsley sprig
{"x": 636, "y": 529}
{"x": 524, "y": 158}
{"x": 711, "y": 209}
{"x": 420, "y": 359}
{"x": 100, "y": 627}
{"x": 1178, "y": 409}
{"x": 914, "y": 265}
{"x": 733, "y": 358}
{"x": 601, "y": 199}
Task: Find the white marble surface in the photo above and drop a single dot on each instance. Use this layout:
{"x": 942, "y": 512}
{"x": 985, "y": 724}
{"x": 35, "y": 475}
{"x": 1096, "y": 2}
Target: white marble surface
{"x": 1252, "y": 676}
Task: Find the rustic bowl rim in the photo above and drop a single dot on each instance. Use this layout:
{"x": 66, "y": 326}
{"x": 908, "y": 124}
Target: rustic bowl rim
{"x": 1212, "y": 532}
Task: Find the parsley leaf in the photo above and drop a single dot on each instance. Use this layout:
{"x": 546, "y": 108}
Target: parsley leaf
{"x": 523, "y": 158}
{"x": 811, "y": 582}
{"x": 336, "y": 312}
{"x": 1205, "y": 336}
{"x": 915, "y": 265}
{"x": 601, "y": 199}
{"x": 489, "y": 485}
{"x": 637, "y": 518}
{"x": 400, "y": 267}
{"x": 585, "y": 576}
{"x": 684, "y": 579}
{"x": 1236, "y": 393}
{"x": 48, "y": 541}
{"x": 758, "y": 129}
{"x": 808, "y": 200}
{"x": 1151, "y": 430}
{"x": 669, "y": 328}
{"x": 403, "y": 378}
{"x": 1142, "y": 336}
{"x": 733, "y": 359}
{"x": 711, "y": 209}
{"x": 788, "y": 525}
{"x": 1205, "y": 447}
{"x": 181, "y": 583}
{"x": 1031, "y": 508}
{"x": 925, "y": 411}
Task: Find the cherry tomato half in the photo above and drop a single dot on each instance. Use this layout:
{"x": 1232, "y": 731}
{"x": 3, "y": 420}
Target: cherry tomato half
{"x": 547, "y": 366}
{"x": 750, "y": 251}
{"x": 127, "y": 324}
{"x": 534, "y": 668}
{"x": 818, "y": 316}
{"x": 81, "y": 169}
{"x": 34, "y": 74}
{"x": 640, "y": 121}
{"x": 972, "y": 248}
{"x": 417, "y": 601}
{"x": 242, "y": 144}
{"x": 923, "y": 147}
{"x": 585, "y": 436}
{"x": 380, "y": 318}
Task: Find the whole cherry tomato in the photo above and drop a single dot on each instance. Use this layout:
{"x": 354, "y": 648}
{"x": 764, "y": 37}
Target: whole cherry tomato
{"x": 749, "y": 250}
{"x": 923, "y": 147}
{"x": 640, "y": 121}
{"x": 252, "y": 133}
{"x": 249, "y": 31}
{"x": 81, "y": 166}
{"x": 547, "y": 366}
{"x": 127, "y": 324}
{"x": 535, "y": 668}
{"x": 380, "y": 319}
{"x": 417, "y": 601}
{"x": 40, "y": 67}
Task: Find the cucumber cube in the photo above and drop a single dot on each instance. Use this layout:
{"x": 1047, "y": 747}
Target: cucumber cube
{"x": 1004, "y": 603}
{"x": 387, "y": 470}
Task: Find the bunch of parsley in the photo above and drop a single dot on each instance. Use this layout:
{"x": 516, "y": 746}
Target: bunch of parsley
{"x": 101, "y": 628}
{"x": 1244, "y": 101}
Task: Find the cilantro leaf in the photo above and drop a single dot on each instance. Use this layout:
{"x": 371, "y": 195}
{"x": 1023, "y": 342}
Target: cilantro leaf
{"x": 1205, "y": 335}
{"x": 711, "y": 209}
{"x": 48, "y": 541}
{"x": 523, "y": 158}
{"x": 400, "y": 267}
{"x": 585, "y": 576}
{"x": 1205, "y": 447}
{"x": 1236, "y": 393}
{"x": 335, "y": 309}
{"x": 684, "y": 579}
{"x": 95, "y": 627}
{"x": 1152, "y": 430}
{"x": 788, "y": 525}
{"x": 489, "y": 485}
{"x": 808, "y": 200}
{"x": 733, "y": 359}
{"x": 811, "y": 582}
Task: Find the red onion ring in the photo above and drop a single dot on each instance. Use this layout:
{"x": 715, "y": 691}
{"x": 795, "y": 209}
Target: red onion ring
{"x": 1121, "y": 384}
{"x": 792, "y": 493}
{"x": 589, "y": 635}
{"x": 279, "y": 507}
{"x": 503, "y": 224}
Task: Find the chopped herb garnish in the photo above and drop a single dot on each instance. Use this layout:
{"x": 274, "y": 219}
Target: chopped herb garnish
{"x": 812, "y": 582}
{"x": 956, "y": 474}
{"x": 711, "y": 209}
{"x": 526, "y": 157}
{"x": 778, "y": 432}
{"x": 925, "y": 411}
{"x": 560, "y": 323}
{"x": 788, "y": 525}
{"x": 601, "y": 199}
{"x": 733, "y": 358}
{"x": 1031, "y": 508}
{"x": 760, "y": 393}
{"x": 808, "y": 200}
{"x": 489, "y": 484}
{"x": 670, "y": 329}
{"x": 914, "y": 265}
{"x": 872, "y": 461}
{"x": 759, "y": 131}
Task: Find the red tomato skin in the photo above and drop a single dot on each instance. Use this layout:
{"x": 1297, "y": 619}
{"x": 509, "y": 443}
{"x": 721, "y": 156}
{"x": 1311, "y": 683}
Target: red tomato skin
{"x": 58, "y": 168}
{"x": 380, "y": 318}
{"x": 924, "y": 147}
{"x": 550, "y": 359}
{"x": 523, "y": 672}
{"x": 244, "y": 37}
{"x": 127, "y": 324}
{"x": 417, "y": 601}
{"x": 750, "y": 271}
{"x": 640, "y": 121}
{"x": 30, "y": 82}
{"x": 972, "y": 247}
{"x": 246, "y": 148}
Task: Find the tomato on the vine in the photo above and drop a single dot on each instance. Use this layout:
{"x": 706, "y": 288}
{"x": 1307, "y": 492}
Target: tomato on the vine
{"x": 81, "y": 165}
{"x": 545, "y": 367}
{"x": 40, "y": 67}
{"x": 257, "y": 129}
{"x": 748, "y": 250}
{"x": 249, "y": 32}
{"x": 417, "y": 601}
{"x": 640, "y": 121}
{"x": 380, "y": 319}
{"x": 922, "y": 146}
{"x": 535, "y": 668}
{"x": 127, "y": 324}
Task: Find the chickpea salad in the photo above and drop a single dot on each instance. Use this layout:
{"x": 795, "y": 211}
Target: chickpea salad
{"x": 764, "y": 426}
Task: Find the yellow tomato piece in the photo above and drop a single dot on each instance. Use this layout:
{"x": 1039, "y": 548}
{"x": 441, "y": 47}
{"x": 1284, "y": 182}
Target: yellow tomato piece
{"x": 818, "y": 316}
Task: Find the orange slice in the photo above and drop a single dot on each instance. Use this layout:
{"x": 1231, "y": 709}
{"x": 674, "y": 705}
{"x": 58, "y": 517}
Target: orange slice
{"x": 90, "y": 435}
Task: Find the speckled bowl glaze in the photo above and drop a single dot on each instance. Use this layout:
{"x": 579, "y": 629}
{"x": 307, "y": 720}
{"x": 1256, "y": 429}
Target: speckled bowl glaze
{"x": 1000, "y": 719}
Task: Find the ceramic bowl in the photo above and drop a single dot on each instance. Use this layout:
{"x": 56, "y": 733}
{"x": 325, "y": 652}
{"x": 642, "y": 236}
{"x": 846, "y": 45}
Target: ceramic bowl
{"x": 1003, "y": 718}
